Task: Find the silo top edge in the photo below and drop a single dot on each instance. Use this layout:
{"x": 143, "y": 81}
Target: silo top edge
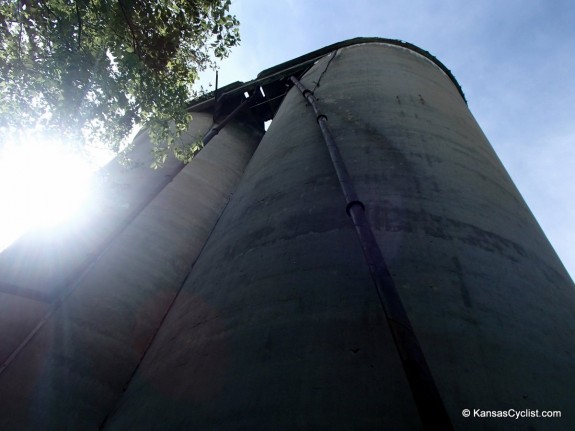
{"x": 357, "y": 41}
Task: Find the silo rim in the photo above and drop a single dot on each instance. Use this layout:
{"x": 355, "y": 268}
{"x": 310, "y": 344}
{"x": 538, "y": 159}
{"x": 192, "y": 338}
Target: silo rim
{"x": 357, "y": 41}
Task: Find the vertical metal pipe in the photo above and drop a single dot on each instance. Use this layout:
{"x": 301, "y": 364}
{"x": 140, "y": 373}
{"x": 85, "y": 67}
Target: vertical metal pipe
{"x": 427, "y": 399}
{"x": 215, "y": 130}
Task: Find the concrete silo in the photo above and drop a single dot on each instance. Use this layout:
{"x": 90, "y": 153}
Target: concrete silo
{"x": 278, "y": 324}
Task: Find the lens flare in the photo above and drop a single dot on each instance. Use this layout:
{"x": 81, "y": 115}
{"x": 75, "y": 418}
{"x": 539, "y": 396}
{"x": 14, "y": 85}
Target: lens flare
{"x": 42, "y": 185}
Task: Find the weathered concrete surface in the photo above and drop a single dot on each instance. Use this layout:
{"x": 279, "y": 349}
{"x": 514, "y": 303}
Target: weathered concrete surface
{"x": 279, "y": 326}
{"x": 492, "y": 304}
{"x": 18, "y": 316}
{"x": 72, "y": 372}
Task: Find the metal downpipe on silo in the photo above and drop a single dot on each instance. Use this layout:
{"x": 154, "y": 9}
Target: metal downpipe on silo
{"x": 429, "y": 404}
{"x": 215, "y": 130}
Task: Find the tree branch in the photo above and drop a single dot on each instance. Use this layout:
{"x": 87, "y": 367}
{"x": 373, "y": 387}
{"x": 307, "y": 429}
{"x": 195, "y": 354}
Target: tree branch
{"x": 131, "y": 27}
{"x": 43, "y": 3}
{"x": 79, "y": 24}
{"x": 21, "y": 26}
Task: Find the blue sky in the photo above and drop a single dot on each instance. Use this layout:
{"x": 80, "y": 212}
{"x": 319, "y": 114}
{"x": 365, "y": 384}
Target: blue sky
{"x": 514, "y": 60}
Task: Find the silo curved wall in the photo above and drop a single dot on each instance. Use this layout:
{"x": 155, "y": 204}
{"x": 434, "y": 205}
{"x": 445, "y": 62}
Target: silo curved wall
{"x": 279, "y": 325}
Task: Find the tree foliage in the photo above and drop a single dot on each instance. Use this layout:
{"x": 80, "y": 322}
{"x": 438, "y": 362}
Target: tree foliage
{"x": 95, "y": 68}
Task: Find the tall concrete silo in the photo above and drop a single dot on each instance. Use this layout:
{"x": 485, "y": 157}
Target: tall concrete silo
{"x": 279, "y": 324}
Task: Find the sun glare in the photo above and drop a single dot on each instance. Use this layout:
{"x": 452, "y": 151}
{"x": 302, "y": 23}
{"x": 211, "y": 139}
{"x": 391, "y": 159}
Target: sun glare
{"x": 41, "y": 185}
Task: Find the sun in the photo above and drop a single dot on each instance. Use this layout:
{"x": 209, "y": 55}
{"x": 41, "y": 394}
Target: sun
{"x": 42, "y": 184}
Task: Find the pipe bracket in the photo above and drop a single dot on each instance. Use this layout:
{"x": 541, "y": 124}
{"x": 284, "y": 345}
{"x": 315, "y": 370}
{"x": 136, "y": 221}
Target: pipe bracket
{"x": 349, "y": 206}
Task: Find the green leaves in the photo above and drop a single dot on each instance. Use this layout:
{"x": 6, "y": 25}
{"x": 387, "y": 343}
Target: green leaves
{"x": 94, "y": 68}
{"x": 187, "y": 153}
